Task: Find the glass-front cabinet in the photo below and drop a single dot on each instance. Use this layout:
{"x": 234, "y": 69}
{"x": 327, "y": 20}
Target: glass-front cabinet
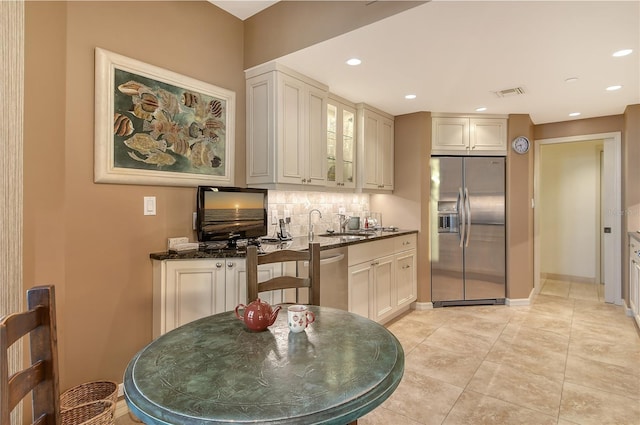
{"x": 341, "y": 116}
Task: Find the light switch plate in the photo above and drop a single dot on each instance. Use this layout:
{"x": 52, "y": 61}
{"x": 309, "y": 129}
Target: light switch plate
{"x": 149, "y": 205}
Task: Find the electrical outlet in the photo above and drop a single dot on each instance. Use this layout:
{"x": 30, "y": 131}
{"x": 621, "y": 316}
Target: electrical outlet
{"x": 274, "y": 217}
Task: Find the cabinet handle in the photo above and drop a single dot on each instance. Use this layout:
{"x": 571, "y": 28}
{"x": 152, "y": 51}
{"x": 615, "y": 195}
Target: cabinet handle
{"x": 406, "y": 267}
{"x": 375, "y": 263}
{"x": 218, "y": 265}
{"x": 304, "y": 180}
{"x": 230, "y": 264}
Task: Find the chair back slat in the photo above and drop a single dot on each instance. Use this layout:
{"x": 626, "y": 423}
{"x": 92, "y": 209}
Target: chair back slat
{"x": 311, "y": 281}
{"x": 41, "y": 376}
{"x": 21, "y": 383}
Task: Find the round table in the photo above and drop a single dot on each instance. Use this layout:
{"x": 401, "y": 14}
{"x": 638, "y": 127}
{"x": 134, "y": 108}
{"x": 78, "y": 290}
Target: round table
{"x": 216, "y": 371}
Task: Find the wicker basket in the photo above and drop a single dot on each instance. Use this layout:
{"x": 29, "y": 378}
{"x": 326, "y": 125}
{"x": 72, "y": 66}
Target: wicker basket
{"x": 100, "y": 412}
{"x": 88, "y": 392}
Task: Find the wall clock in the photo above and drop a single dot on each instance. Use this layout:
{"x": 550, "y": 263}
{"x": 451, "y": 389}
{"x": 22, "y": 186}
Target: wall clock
{"x": 520, "y": 144}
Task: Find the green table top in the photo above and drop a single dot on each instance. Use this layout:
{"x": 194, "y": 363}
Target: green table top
{"x": 215, "y": 371}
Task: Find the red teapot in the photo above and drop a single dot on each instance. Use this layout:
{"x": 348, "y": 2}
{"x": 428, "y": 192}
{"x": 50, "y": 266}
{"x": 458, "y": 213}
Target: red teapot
{"x": 258, "y": 315}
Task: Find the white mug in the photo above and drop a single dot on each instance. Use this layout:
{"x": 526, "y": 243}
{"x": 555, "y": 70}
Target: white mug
{"x": 299, "y": 317}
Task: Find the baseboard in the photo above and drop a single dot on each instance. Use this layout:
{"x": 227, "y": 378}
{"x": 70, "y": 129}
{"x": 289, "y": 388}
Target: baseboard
{"x": 121, "y": 408}
{"x": 568, "y": 277}
{"x": 515, "y": 302}
{"x": 422, "y": 306}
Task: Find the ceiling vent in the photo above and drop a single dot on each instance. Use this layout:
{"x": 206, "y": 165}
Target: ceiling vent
{"x": 510, "y": 92}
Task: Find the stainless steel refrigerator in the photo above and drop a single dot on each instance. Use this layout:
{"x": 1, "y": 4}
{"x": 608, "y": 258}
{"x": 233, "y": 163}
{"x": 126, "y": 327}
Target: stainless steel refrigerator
{"x": 467, "y": 230}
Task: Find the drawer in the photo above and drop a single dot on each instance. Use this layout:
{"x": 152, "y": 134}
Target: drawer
{"x": 405, "y": 242}
{"x": 359, "y": 253}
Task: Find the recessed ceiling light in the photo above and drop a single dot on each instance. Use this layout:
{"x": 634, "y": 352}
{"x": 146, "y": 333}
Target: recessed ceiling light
{"x": 410, "y": 96}
{"x": 481, "y": 109}
{"x": 614, "y": 88}
{"x": 574, "y": 114}
{"x": 623, "y": 52}
{"x": 354, "y": 61}
{"x": 571, "y": 80}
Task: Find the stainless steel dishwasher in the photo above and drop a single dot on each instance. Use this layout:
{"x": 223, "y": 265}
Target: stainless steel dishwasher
{"x": 334, "y": 291}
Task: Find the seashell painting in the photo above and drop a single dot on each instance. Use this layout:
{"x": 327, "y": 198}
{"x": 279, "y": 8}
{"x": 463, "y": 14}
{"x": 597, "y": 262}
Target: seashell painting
{"x": 176, "y": 129}
{"x": 159, "y": 125}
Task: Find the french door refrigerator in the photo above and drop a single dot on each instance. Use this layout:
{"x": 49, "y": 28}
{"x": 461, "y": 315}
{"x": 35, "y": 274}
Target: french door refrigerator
{"x": 467, "y": 230}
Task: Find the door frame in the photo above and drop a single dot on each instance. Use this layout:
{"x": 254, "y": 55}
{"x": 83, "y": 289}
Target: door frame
{"x": 612, "y": 180}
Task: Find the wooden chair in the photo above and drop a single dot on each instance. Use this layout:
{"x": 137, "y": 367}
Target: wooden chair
{"x": 41, "y": 376}
{"x": 312, "y": 281}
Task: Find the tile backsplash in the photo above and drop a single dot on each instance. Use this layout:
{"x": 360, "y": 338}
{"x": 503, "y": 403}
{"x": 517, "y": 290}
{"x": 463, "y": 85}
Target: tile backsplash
{"x": 298, "y": 205}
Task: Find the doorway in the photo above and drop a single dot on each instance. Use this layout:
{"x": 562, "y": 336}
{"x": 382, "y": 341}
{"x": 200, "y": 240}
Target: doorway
{"x": 609, "y": 228}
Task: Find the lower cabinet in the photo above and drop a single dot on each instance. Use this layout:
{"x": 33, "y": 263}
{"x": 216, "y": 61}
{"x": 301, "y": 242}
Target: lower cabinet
{"x": 382, "y": 277}
{"x": 187, "y": 290}
{"x": 634, "y": 279}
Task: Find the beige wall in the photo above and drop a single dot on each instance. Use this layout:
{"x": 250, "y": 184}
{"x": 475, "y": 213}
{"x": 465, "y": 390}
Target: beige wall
{"x": 92, "y": 240}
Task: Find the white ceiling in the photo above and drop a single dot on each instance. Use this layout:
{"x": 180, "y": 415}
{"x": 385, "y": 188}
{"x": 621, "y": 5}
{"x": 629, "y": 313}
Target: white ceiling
{"x": 454, "y": 55}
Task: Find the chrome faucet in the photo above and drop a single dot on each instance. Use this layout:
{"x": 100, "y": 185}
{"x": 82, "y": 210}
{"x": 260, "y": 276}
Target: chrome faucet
{"x": 311, "y": 225}
{"x": 344, "y": 219}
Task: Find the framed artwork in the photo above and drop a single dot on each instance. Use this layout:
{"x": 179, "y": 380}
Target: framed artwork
{"x": 157, "y": 127}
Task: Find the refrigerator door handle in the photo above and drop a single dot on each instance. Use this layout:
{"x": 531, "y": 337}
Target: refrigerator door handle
{"x": 468, "y": 205}
{"x": 461, "y": 213}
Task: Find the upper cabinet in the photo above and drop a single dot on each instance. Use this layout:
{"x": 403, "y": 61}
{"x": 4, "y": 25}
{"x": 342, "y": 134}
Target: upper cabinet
{"x": 286, "y": 128}
{"x": 468, "y": 135}
{"x": 341, "y": 139}
{"x": 375, "y": 148}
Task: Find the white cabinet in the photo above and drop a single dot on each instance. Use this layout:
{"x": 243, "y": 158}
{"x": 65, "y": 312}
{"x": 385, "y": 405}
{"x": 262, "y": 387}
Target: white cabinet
{"x": 382, "y": 277}
{"x": 375, "y": 149}
{"x": 634, "y": 279}
{"x": 467, "y": 135}
{"x": 406, "y": 271}
{"x": 286, "y": 128}
{"x": 187, "y": 290}
{"x": 341, "y": 139}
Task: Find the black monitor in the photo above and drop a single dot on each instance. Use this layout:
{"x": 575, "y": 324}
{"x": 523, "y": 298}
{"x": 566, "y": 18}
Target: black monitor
{"x": 230, "y": 213}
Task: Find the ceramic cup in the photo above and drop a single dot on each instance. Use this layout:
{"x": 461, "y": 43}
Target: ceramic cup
{"x": 299, "y": 317}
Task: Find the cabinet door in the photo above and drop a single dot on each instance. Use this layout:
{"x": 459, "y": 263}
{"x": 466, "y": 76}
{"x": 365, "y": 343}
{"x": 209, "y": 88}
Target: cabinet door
{"x": 361, "y": 289}
{"x": 260, "y": 129}
{"x": 333, "y": 151}
{"x": 316, "y": 138}
{"x": 384, "y": 293}
{"x": 236, "y": 282}
{"x": 487, "y": 134}
{"x": 385, "y": 166}
{"x": 406, "y": 279}
{"x": 265, "y": 272}
{"x": 291, "y": 134}
{"x": 371, "y": 152}
{"x": 194, "y": 289}
{"x": 340, "y": 144}
{"x": 348, "y": 148}
{"x": 634, "y": 289}
{"x": 450, "y": 134}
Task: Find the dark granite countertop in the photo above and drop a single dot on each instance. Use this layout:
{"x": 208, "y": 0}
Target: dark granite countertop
{"x": 296, "y": 243}
{"x": 635, "y": 235}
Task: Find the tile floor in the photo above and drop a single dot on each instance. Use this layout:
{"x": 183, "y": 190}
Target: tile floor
{"x": 568, "y": 358}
